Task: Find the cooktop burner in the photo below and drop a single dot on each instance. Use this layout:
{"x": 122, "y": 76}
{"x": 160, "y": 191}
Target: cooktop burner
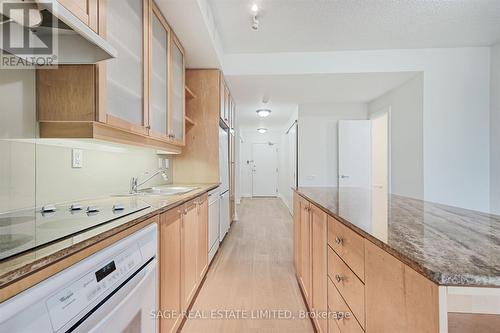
{"x": 25, "y": 230}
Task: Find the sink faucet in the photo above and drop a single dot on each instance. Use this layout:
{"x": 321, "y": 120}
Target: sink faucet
{"x": 134, "y": 182}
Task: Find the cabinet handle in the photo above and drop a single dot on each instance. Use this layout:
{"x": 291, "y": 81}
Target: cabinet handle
{"x": 339, "y": 278}
{"x": 339, "y": 240}
{"x": 148, "y": 127}
{"x": 185, "y": 211}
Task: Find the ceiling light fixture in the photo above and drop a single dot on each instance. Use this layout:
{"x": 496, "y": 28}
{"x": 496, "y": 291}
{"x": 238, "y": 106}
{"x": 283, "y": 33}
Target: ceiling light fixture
{"x": 262, "y": 130}
{"x": 255, "y": 20}
{"x": 263, "y": 112}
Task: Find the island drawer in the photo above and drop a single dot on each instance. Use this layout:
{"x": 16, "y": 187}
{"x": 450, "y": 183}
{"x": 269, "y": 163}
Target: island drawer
{"x": 348, "y": 245}
{"x": 344, "y": 322}
{"x": 348, "y": 284}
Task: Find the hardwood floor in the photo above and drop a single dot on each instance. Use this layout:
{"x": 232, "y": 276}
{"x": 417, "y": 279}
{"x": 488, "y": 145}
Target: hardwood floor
{"x": 252, "y": 272}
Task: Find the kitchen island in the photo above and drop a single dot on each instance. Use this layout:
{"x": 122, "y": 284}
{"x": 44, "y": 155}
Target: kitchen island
{"x": 398, "y": 263}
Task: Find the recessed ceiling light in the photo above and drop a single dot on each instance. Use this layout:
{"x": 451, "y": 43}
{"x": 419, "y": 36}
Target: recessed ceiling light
{"x": 255, "y": 8}
{"x": 262, "y": 130}
{"x": 263, "y": 112}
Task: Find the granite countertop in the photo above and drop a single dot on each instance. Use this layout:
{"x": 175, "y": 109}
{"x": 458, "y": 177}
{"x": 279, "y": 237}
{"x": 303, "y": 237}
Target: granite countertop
{"x": 17, "y": 267}
{"x": 451, "y": 246}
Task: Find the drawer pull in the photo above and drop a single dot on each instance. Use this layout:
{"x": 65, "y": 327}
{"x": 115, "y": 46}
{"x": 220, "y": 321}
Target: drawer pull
{"x": 339, "y": 278}
{"x": 339, "y": 241}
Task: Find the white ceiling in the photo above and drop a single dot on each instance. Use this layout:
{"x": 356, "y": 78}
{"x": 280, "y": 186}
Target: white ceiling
{"x": 329, "y": 25}
{"x": 287, "y": 91}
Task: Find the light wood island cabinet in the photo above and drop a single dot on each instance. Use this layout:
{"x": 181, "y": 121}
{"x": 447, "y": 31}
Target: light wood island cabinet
{"x": 363, "y": 287}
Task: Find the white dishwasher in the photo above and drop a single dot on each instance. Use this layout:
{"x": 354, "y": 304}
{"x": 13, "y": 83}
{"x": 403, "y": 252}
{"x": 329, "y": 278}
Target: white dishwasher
{"x": 213, "y": 223}
{"x": 114, "y": 290}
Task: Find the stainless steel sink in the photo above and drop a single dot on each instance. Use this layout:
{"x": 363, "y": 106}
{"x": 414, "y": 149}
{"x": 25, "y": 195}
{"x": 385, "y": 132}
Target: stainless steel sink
{"x": 171, "y": 190}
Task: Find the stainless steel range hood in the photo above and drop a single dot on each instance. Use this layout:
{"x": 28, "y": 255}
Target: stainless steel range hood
{"x": 74, "y": 42}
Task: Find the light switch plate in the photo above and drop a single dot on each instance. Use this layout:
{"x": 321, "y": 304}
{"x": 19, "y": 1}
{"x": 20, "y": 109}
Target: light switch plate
{"x": 76, "y": 158}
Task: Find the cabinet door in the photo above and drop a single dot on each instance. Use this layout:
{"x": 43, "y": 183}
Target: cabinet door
{"x": 202, "y": 259}
{"x": 397, "y": 298}
{"x": 170, "y": 269}
{"x": 189, "y": 246}
{"x": 85, "y": 10}
{"x": 305, "y": 248}
{"x": 177, "y": 90}
{"x": 126, "y": 83}
{"x": 296, "y": 233}
{"x": 159, "y": 79}
{"x": 319, "y": 266}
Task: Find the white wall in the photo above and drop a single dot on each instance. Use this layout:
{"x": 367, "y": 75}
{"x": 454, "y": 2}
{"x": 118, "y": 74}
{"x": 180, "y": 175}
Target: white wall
{"x": 251, "y": 136}
{"x": 456, "y": 108}
{"x": 34, "y": 172}
{"x": 318, "y": 141}
{"x": 495, "y": 130}
{"x": 406, "y": 117}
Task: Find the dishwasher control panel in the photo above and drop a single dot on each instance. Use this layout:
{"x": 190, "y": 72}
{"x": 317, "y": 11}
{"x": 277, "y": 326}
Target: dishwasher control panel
{"x": 77, "y": 296}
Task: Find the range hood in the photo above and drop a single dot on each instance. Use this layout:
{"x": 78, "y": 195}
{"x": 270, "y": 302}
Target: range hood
{"x": 74, "y": 42}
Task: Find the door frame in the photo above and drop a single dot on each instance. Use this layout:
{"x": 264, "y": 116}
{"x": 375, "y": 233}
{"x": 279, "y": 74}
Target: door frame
{"x": 276, "y": 173}
{"x": 380, "y": 112}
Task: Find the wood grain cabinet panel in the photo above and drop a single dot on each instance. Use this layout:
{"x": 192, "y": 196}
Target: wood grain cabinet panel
{"x": 305, "y": 249}
{"x": 348, "y": 245}
{"x": 170, "y": 270}
{"x": 345, "y": 321}
{"x": 398, "y": 299}
{"x": 188, "y": 257}
{"x": 319, "y": 267}
{"x": 296, "y": 233}
{"x": 348, "y": 284}
{"x": 202, "y": 246}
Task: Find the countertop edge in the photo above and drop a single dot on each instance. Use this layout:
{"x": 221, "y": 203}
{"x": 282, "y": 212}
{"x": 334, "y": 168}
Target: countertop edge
{"x": 44, "y": 262}
{"x": 445, "y": 280}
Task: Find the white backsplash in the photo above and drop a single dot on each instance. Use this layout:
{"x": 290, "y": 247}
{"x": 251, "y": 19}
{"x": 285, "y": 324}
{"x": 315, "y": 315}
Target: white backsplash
{"x": 34, "y": 172}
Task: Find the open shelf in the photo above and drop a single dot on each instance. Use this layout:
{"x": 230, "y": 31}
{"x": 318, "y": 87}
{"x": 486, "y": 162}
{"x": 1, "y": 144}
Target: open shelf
{"x": 189, "y": 121}
{"x": 189, "y": 93}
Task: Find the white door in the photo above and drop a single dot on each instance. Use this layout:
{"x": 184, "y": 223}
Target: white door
{"x": 355, "y": 145}
{"x": 264, "y": 172}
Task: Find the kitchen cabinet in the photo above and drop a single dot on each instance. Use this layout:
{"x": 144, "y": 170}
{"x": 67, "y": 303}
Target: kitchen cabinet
{"x": 305, "y": 248}
{"x": 170, "y": 269}
{"x": 85, "y": 10}
{"x": 189, "y": 253}
{"x": 159, "y": 75}
{"x": 398, "y": 299}
{"x": 341, "y": 271}
{"x": 202, "y": 246}
{"x": 177, "y": 102}
{"x": 136, "y": 98}
{"x": 296, "y": 234}
{"x": 319, "y": 266}
{"x": 126, "y": 80}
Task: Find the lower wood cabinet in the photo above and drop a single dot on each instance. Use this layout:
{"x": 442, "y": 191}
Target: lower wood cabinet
{"x": 341, "y": 271}
{"x": 398, "y": 299}
{"x": 202, "y": 257}
{"x": 319, "y": 267}
{"x": 170, "y": 270}
{"x": 183, "y": 259}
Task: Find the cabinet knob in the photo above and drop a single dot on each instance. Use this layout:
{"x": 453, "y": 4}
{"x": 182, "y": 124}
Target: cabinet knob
{"x": 339, "y": 240}
{"x": 339, "y": 278}
{"x": 148, "y": 127}
{"x": 339, "y": 315}
{"x": 185, "y": 211}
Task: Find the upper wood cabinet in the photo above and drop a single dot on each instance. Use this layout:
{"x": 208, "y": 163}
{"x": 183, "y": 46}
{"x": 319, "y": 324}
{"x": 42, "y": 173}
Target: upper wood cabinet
{"x": 177, "y": 102}
{"x": 85, "y": 10}
{"x": 136, "y": 98}
{"x": 159, "y": 75}
{"x": 126, "y": 92}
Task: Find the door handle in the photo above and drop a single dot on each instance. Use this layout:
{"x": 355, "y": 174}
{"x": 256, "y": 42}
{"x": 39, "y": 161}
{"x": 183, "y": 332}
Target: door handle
{"x": 343, "y": 176}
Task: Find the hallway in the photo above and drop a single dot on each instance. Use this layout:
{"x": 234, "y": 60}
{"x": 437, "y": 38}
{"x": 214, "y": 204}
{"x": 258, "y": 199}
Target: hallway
{"x": 252, "y": 273}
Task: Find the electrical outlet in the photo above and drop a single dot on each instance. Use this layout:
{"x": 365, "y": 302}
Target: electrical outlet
{"x": 76, "y": 158}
